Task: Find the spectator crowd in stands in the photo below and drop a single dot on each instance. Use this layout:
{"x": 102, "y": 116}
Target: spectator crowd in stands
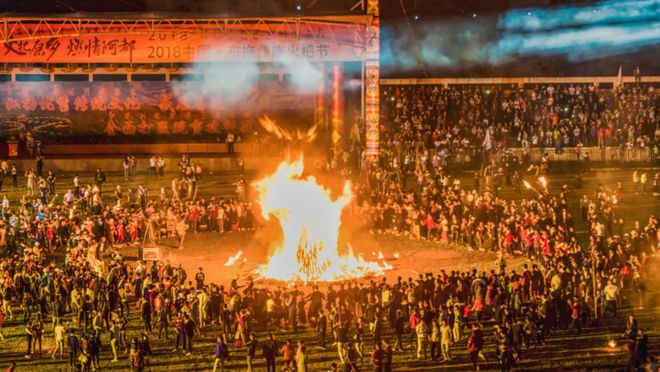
{"x": 454, "y": 122}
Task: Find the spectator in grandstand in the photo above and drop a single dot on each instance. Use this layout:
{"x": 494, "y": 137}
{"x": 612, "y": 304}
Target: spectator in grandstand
{"x": 438, "y": 125}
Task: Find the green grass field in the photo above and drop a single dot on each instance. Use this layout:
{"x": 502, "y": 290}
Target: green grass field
{"x": 564, "y": 350}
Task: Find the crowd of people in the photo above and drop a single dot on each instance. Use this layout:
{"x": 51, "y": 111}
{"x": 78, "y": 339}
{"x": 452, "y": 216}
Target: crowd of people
{"x": 121, "y": 216}
{"x": 84, "y": 303}
{"x": 439, "y": 207}
{"x": 459, "y": 122}
{"x": 64, "y": 273}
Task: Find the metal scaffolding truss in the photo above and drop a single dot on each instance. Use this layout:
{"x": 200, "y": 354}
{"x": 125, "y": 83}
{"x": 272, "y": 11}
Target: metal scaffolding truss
{"x": 31, "y": 28}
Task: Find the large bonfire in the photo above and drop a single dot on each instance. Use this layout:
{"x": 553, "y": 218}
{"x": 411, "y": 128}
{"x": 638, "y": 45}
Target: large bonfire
{"x": 310, "y": 219}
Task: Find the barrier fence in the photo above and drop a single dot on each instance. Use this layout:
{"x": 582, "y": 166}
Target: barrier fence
{"x": 472, "y": 157}
{"x": 615, "y": 154}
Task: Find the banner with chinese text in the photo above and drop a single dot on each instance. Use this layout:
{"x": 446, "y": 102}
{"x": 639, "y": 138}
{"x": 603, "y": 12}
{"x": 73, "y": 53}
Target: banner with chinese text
{"x": 98, "y": 112}
{"x": 234, "y": 42}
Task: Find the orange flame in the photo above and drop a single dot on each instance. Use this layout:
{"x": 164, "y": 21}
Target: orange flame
{"x": 310, "y": 219}
{"x": 527, "y": 185}
{"x": 271, "y": 127}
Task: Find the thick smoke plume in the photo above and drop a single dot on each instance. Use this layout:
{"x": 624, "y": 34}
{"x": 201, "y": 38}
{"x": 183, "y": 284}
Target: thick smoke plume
{"x": 230, "y": 82}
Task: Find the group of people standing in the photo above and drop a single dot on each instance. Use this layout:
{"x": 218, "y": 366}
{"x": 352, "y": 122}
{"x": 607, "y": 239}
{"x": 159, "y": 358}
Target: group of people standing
{"x": 87, "y": 301}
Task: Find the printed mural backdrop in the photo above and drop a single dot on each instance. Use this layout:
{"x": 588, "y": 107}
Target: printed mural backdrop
{"x": 98, "y": 112}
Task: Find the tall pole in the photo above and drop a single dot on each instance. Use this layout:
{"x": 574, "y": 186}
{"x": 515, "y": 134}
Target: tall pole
{"x": 372, "y": 83}
{"x": 362, "y": 67}
{"x": 338, "y": 106}
{"x": 320, "y": 117}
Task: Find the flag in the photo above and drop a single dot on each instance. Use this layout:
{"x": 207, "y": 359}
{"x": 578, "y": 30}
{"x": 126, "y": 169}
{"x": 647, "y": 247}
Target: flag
{"x": 487, "y": 142}
{"x": 619, "y": 77}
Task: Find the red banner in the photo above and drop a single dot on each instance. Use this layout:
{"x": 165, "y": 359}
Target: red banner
{"x": 372, "y": 109}
{"x": 227, "y": 42}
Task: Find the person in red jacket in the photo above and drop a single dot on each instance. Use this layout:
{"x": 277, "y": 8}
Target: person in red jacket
{"x": 475, "y": 344}
{"x": 415, "y": 318}
{"x": 288, "y": 352}
{"x": 575, "y": 315}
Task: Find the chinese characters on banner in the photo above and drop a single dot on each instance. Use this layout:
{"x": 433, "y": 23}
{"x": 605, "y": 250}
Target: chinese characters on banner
{"x": 316, "y": 43}
{"x": 138, "y": 109}
{"x": 372, "y": 109}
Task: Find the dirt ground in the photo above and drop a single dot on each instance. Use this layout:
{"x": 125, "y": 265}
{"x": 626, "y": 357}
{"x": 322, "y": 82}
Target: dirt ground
{"x": 211, "y": 250}
{"x": 407, "y": 257}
